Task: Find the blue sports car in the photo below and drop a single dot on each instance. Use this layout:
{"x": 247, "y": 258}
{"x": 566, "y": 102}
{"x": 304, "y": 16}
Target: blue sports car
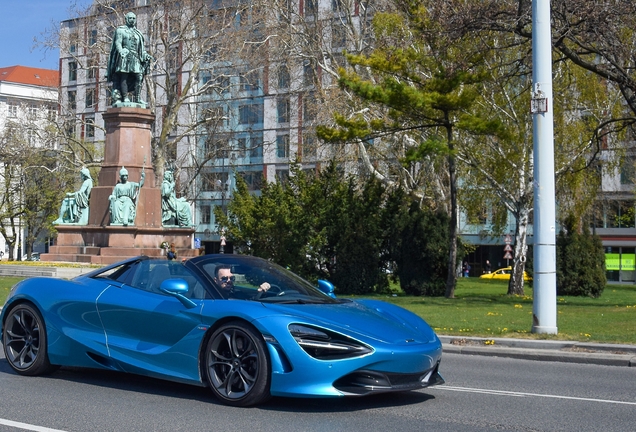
{"x": 243, "y": 326}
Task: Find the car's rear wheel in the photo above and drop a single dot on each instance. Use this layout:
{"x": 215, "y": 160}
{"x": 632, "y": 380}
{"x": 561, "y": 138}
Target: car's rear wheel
{"x": 24, "y": 341}
{"x": 237, "y": 365}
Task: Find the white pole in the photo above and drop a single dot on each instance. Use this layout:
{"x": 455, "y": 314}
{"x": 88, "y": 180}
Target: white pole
{"x": 544, "y": 305}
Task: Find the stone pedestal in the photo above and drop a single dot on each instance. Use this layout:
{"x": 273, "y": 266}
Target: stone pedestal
{"x": 128, "y": 145}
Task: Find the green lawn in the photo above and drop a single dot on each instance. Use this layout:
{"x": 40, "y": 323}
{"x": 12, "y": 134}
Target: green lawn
{"x": 5, "y": 285}
{"x": 483, "y": 309}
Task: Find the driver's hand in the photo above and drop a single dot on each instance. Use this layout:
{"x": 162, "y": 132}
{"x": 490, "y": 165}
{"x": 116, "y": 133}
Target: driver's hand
{"x": 264, "y": 286}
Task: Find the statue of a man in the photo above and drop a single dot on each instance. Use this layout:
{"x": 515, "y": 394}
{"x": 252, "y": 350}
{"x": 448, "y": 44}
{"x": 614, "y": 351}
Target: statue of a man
{"x": 74, "y": 208}
{"x": 128, "y": 62}
{"x": 123, "y": 200}
{"x": 174, "y": 211}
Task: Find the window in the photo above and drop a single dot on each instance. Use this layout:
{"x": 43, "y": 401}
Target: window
{"x": 309, "y": 146}
{"x": 92, "y": 37}
{"x": 338, "y": 34}
{"x": 216, "y": 116}
{"x": 70, "y": 129}
{"x": 283, "y": 109}
{"x": 33, "y": 110}
{"x": 311, "y": 7}
{"x": 628, "y": 171}
{"x": 214, "y": 181}
{"x": 206, "y": 214}
{"x": 242, "y": 147}
{"x": 309, "y": 107}
{"x": 32, "y": 136}
{"x": 249, "y": 82}
{"x": 172, "y": 60}
{"x": 250, "y": 114}
{"x": 51, "y": 112}
{"x": 309, "y": 76}
{"x": 217, "y": 146}
{"x": 282, "y": 176}
{"x": 282, "y": 146}
{"x": 283, "y": 77}
{"x": 92, "y": 67}
{"x": 90, "y": 98}
{"x": 256, "y": 147}
{"x": 71, "y": 97}
{"x": 12, "y": 108}
{"x": 72, "y": 42}
{"x": 253, "y": 179}
{"x": 72, "y": 71}
{"x": 90, "y": 128}
{"x": 222, "y": 84}
{"x": 285, "y": 11}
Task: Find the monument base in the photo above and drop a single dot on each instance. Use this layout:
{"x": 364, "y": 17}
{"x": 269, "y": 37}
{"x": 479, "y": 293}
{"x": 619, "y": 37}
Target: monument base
{"x": 110, "y": 244}
{"x": 127, "y": 145}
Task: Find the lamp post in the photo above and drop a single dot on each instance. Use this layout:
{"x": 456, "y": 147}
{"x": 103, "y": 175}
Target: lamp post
{"x": 544, "y": 311}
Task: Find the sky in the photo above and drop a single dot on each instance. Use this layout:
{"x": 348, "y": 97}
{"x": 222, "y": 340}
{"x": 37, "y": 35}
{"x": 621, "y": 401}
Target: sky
{"x": 23, "y": 20}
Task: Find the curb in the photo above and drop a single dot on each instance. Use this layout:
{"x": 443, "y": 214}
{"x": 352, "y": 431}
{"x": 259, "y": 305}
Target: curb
{"x": 542, "y": 350}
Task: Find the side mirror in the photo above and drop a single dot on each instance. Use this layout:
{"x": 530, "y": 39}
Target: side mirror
{"x": 326, "y": 287}
{"x": 177, "y": 288}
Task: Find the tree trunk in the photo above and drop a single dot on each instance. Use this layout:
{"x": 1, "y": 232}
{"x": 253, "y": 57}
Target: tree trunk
{"x": 451, "y": 279}
{"x": 515, "y": 285}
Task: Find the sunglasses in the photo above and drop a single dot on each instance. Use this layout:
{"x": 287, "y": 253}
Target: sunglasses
{"x": 227, "y": 278}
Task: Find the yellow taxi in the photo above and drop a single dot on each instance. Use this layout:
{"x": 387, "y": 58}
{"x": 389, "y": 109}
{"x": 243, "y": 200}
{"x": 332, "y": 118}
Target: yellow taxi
{"x": 503, "y": 274}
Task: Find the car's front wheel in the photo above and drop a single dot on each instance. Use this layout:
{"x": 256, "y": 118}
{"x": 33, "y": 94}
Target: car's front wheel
{"x": 24, "y": 341}
{"x": 237, "y": 365}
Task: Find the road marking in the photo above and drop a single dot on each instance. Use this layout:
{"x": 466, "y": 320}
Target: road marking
{"x": 27, "y": 426}
{"x": 519, "y": 394}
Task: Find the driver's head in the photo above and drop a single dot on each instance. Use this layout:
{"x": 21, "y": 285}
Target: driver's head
{"x": 224, "y": 277}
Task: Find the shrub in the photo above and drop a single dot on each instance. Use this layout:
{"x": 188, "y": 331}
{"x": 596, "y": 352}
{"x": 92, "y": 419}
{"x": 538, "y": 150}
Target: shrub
{"x": 580, "y": 261}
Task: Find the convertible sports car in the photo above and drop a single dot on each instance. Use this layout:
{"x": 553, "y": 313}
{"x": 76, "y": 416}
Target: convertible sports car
{"x": 243, "y": 326}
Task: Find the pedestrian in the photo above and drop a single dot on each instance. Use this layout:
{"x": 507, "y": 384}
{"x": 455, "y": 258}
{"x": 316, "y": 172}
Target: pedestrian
{"x": 172, "y": 252}
{"x": 488, "y": 267}
{"x": 466, "y": 269}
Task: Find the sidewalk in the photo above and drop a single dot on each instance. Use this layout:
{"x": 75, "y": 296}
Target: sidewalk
{"x": 543, "y": 350}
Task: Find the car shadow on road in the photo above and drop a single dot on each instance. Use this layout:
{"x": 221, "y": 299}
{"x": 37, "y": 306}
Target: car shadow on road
{"x": 155, "y": 386}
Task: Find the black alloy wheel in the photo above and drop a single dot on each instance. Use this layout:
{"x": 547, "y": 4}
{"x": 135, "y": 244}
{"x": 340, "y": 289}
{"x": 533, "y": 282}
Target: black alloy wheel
{"x": 237, "y": 365}
{"x": 24, "y": 341}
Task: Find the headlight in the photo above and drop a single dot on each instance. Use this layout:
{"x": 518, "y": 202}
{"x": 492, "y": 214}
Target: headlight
{"x": 326, "y": 345}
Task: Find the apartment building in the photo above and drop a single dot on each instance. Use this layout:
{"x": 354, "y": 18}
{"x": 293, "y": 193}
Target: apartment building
{"x": 28, "y": 98}
{"x": 253, "y": 115}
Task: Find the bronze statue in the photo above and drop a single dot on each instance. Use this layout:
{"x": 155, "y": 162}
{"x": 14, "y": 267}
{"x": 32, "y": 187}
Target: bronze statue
{"x": 174, "y": 211}
{"x": 74, "y": 208}
{"x": 123, "y": 200}
{"x": 128, "y": 62}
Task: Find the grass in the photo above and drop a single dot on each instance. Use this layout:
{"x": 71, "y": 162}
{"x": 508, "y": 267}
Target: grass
{"x": 482, "y": 308}
{"x": 5, "y": 286}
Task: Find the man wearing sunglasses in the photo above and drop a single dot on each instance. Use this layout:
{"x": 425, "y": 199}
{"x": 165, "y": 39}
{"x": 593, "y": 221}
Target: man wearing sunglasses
{"x": 225, "y": 280}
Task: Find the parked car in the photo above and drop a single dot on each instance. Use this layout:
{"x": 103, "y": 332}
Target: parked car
{"x": 243, "y": 326}
{"x": 503, "y": 274}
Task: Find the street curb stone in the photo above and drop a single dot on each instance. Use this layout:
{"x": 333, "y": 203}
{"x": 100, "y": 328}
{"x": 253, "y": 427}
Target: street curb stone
{"x": 542, "y": 350}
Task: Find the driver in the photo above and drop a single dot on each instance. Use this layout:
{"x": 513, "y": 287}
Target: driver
{"x": 225, "y": 279}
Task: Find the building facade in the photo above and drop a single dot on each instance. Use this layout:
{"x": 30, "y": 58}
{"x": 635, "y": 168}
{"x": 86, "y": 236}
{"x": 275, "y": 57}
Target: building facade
{"x": 28, "y": 100}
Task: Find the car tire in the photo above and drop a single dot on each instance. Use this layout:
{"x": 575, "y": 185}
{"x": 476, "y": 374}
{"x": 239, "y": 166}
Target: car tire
{"x": 24, "y": 341}
{"x": 237, "y": 365}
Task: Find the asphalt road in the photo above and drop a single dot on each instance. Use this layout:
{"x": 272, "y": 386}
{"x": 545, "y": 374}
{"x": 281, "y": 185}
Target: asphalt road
{"x": 481, "y": 393}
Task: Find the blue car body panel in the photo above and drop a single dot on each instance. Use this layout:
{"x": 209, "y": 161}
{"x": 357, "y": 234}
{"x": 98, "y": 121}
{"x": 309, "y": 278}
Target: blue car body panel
{"x": 93, "y": 321}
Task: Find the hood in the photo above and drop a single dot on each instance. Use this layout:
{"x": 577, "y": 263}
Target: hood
{"x": 363, "y": 319}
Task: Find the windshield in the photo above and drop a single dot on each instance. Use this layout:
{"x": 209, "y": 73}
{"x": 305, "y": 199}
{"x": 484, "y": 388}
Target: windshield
{"x": 250, "y": 278}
